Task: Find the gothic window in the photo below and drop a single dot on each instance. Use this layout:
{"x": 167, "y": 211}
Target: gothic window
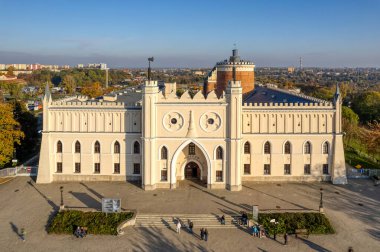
{"x": 59, "y": 147}
{"x": 267, "y": 148}
{"x": 116, "y": 147}
{"x": 164, "y": 153}
{"x": 325, "y": 149}
{"x": 136, "y": 148}
{"x": 287, "y": 148}
{"x": 77, "y": 147}
{"x": 97, "y": 147}
{"x": 307, "y": 148}
{"x": 247, "y": 148}
{"x": 97, "y": 167}
{"x": 191, "y": 149}
{"x": 219, "y": 153}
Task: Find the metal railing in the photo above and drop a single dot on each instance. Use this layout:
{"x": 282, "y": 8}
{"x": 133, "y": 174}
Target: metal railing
{"x": 362, "y": 173}
{"x": 19, "y": 171}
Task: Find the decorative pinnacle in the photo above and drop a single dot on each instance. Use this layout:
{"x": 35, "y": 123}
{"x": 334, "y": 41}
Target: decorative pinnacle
{"x": 151, "y": 59}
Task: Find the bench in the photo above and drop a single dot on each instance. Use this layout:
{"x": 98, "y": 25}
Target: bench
{"x": 304, "y": 232}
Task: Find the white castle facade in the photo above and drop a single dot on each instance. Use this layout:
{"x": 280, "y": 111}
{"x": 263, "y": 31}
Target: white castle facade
{"x": 156, "y": 137}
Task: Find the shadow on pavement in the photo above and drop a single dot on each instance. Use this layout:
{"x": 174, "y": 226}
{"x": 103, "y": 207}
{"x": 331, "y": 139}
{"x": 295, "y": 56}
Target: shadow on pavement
{"x": 314, "y": 246}
{"x": 15, "y": 229}
{"x": 87, "y": 200}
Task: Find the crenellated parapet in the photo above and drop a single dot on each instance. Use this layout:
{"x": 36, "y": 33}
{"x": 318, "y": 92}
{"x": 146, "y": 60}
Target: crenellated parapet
{"x": 297, "y": 105}
{"x": 211, "y": 97}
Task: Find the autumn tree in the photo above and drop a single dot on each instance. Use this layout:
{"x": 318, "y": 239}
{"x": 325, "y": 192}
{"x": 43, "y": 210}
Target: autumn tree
{"x": 350, "y": 121}
{"x": 372, "y": 138}
{"x": 10, "y": 71}
{"x": 10, "y": 133}
{"x": 68, "y": 84}
{"x": 93, "y": 90}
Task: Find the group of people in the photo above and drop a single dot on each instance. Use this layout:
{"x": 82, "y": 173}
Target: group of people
{"x": 190, "y": 224}
{"x": 80, "y": 232}
{"x": 258, "y": 231}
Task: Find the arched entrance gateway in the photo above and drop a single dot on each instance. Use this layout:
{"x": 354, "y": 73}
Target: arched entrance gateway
{"x": 192, "y": 171}
{"x": 190, "y": 162}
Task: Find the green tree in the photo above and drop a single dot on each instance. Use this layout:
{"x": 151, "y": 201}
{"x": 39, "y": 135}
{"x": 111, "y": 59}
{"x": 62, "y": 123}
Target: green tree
{"x": 10, "y": 133}
{"x": 350, "y": 121}
{"x": 367, "y": 106}
{"x": 10, "y": 71}
{"x": 68, "y": 84}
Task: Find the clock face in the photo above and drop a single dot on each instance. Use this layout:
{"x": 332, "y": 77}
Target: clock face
{"x": 173, "y": 121}
{"x": 210, "y": 121}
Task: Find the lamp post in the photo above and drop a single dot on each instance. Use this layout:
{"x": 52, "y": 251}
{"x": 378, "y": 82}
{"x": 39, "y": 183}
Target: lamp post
{"x": 62, "y": 206}
{"x": 321, "y": 201}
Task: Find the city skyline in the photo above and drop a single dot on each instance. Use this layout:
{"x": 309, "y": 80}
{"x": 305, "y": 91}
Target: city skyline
{"x": 192, "y": 34}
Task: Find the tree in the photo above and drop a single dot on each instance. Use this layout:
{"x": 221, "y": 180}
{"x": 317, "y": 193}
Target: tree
{"x": 372, "y": 137}
{"x": 10, "y": 133}
{"x": 10, "y": 71}
{"x": 68, "y": 84}
{"x": 367, "y": 106}
{"x": 350, "y": 121}
{"x": 93, "y": 90}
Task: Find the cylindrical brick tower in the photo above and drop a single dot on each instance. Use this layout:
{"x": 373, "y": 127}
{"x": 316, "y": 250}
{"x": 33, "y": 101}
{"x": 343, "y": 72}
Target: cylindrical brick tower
{"x": 244, "y": 73}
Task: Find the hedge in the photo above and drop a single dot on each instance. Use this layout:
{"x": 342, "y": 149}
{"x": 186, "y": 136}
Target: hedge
{"x": 66, "y": 222}
{"x": 315, "y": 223}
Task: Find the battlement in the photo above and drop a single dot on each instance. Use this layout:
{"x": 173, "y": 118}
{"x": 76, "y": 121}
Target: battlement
{"x": 312, "y": 105}
{"x": 198, "y": 97}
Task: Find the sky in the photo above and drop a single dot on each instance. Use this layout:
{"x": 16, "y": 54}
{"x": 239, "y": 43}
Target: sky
{"x": 191, "y": 33}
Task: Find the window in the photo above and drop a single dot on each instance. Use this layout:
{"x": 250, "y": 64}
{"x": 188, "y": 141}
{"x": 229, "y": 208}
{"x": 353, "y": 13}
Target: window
{"x": 164, "y": 175}
{"x": 306, "y": 169}
{"x": 267, "y": 148}
{"x": 136, "y": 148}
{"x": 247, "y": 169}
{"x": 219, "y": 176}
{"x": 116, "y": 147}
{"x": 267, "y": 169}
{"x": 97, "y": 167}
{"x": 247, "y": 148}
{"x": 307, "y": 148}
{"x": 191, "y": 149}
{"x": 287, "y": 148}
{"x": 219, "y": 153}
{"x": 116, "y": 168}
{"x": 77, "y": 147}
{"x": 164, "y": 153}
{"x": 325, "y": 169}
{"x": 325, "y": 148}
{"x": 77, "y": 167}
{"x": 97, "y": 147}
{"x": 136, "y": 168}
{"x": 59, "y": 147}
{"x": 59, "y": 167}
{"x": 287, "y": 169}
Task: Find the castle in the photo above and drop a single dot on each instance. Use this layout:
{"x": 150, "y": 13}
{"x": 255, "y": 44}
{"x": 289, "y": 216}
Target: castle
{"x": 231, "y": 132}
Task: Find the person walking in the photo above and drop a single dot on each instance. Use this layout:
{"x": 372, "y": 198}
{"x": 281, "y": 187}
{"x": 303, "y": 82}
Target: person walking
{"x": 179, "y": 226}
{"x": 191, "y": 225}
{"x": 286, "y": 238}
{"x": 202, "y": 233}
{"x": 206, "y": 234}
{"x": 22, "y": 234}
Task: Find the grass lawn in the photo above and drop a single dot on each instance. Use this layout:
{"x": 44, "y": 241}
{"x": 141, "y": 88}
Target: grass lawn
{"x": 354, "y": 159}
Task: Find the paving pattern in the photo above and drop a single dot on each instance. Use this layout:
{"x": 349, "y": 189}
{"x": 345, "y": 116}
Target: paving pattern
{"x": 353, "y": 210}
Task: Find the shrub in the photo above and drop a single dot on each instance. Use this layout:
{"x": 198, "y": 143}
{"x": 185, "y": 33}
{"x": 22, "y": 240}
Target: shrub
{"x": 316, "y": 223}
{"x": 66, "y": 222}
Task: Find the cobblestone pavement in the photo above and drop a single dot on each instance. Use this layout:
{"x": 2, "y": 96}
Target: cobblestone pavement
{"x": 353, "y": 209}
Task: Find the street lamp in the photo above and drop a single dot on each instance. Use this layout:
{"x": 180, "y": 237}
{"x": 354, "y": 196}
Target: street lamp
{"x": 62, "y": 205}
{"x": 321, "y": 201}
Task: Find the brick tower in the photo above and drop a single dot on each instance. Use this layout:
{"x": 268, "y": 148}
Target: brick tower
{"x": 244, "y": 73}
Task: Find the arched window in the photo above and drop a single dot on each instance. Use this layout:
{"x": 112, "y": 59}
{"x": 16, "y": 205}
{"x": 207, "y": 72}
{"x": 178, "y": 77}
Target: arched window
{"x": 247, "y": 148}
{"x": 77, "y": 147}
{"x": 164, "y": 153}
{"x": 325, "y": 148}
{"x": 97, "y": 147}
{"x": 287, "y": 149}
{"x": 59, "y": 147}
{"x": 219, "y": 153}
{"x": 307, "y": 148}
{"x": 136, "y": 148}
{"x": 191, "y": 149}
{"x": 267, "y": 148}
{"x": 116, "y": 147}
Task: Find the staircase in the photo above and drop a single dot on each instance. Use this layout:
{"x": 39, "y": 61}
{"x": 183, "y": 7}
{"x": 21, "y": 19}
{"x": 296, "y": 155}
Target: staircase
{"x": 170, "y": 221}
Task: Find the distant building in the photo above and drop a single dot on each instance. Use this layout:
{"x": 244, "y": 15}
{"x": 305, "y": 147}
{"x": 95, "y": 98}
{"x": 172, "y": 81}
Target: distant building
{"x": 291, "y": 70}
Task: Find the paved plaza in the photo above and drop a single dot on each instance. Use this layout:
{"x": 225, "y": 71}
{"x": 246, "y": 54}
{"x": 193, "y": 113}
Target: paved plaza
{"x": 353, "y": 209}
